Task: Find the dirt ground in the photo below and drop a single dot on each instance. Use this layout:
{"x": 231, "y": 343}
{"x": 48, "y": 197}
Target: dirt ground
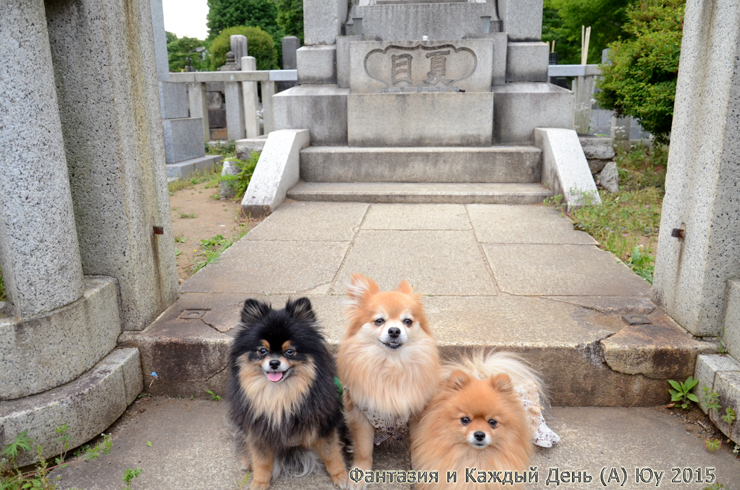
{"x": 198, "y": 214}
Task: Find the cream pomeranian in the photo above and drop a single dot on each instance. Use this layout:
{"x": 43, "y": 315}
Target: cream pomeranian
{"x": 485, "y": 415}
{"x": 388, "y": 363}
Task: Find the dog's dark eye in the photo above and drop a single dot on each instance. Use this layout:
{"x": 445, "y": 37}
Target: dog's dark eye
{"x": 379, "y": 321}
{"x": 262, "y": 351}
{"x": 465, "y": 420}
{"x": 492, "y": 423}
{"x": 408, "y": 322}
{"x": 290, "y": 353}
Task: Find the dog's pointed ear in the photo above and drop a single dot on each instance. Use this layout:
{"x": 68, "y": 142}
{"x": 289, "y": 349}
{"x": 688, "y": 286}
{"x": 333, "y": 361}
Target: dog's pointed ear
{"x": 253, "y": 310}
{"x": 300, "y": 309}
{"x": 501, "y": 383}
{"x": 360, "y": 288}
{"x": 457, "y": 380}
{"x": 405, "y": 288}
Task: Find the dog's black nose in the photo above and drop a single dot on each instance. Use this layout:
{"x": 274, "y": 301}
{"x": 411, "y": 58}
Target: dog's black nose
{"x": 479, "y": 436}
{"x": 274, "y": 364}
{"x": 394, "y": 332}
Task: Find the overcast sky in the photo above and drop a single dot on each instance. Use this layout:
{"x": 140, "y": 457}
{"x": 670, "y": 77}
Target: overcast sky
{"x": 186, "y": 17}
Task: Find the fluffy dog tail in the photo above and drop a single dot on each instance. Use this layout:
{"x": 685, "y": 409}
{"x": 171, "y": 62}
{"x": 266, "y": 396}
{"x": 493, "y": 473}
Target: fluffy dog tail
{"x": 482, "y": 364}
{"x": 296, "y": 461}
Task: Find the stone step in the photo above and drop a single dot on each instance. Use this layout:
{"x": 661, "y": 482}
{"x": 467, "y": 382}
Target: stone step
{"x": 502, "y": 164}
{"x": 420, "y": 193}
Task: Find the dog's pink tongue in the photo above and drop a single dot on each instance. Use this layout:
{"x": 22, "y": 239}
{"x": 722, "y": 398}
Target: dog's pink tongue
{"x": 274, "y": 377}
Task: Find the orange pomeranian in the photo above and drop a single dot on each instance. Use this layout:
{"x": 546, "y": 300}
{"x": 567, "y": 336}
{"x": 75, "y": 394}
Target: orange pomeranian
{"x": 387, "y": 362}
{"x": 481, "y": 418}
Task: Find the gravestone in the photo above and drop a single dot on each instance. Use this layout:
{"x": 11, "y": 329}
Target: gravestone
{"x": 423, "y": 73}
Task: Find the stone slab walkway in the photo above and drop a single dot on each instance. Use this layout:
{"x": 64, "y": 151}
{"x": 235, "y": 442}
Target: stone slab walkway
{"x": 504, "y": 276}
{"x": 191, "y": 449}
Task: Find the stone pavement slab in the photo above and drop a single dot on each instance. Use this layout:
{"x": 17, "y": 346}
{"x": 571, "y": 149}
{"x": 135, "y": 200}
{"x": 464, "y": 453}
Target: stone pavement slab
{"x": 562, "y": 270}
{"x": 524, "y": 224}
{"x": 302, "y": 221}
{"x": 433, "y": 262}
{"x": 417, "y": 217}
{"x": 252, "y": 266}
{"x": 191, "y": 449}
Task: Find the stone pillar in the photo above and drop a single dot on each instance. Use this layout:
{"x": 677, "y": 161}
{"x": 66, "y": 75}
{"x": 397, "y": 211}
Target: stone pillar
{"x": 290, "y": 45}
{"x": 251, "y": 99}
{"x": 268, "y": 112}
{"x": 239, "y": 48}
{"x": 160, "y": 41}
{"x": 115, "y": 149}
{"x": 234, "y": 110}
{"x": 702, "y": 200}
{"x": 198, "y": 104}
{"x": 322, "y": 20}
{"x": 39, "y": 254}
{"x": 584, "y": 89}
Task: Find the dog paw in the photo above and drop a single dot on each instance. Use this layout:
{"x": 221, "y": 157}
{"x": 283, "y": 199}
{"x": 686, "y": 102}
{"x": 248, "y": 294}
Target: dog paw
{"x": 259, "y": 485}
{"x": 360, "y": 485}
{"x": 340, "y": 480}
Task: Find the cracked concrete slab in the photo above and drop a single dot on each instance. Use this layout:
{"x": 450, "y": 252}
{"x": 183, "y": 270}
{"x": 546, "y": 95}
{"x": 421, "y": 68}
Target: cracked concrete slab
{"x": 660, "y": 350}
{"x": 611, "y": 305}
{"x": 524, "y": 224}
{"x": 433, "y": 262}
{"x": 279, "y": 267}
{"x": 562, "y": 270}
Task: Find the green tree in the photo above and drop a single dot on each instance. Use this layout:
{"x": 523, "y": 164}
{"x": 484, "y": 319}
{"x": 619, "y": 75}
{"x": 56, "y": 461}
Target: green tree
{"x": 252, "y": 13}
{"x": 290, "y": 17}
{"x": 260, "y": 45}
{"x": 641, "y": 79}
{"x": 178, "y": 51}
{"x": 562, "y": 21}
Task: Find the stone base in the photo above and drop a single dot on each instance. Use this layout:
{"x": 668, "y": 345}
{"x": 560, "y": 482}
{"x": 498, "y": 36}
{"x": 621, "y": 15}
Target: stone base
{"x": 173, "y": 100}
{"x": 41, "y": 353}
{"x": 87, "y": 406}
{"x": 322, "y": 109}
{"x": 527, "y": 62}
{"x": 720, "y": 373}
{"x": 521, "y": 107}
{"x": 245, "y": 147}
{"x": 317, "y": 65}
{"x": 181, "y": 170}
{"x": 183, "y": 139}
{"x": 420, "y": 119}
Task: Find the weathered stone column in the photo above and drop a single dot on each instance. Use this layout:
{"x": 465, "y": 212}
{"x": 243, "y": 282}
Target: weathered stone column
{"x": 39, "y": 254}
{"x": 106, "y": 75}
{"x": 702, "y": 201}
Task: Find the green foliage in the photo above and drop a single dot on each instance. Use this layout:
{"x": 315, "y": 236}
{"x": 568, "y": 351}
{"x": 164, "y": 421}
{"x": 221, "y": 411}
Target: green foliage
{"x": 213, "y": 248}
{"x": 261, "y": 46}
{"x": 223, "y": 14}
{"x": 21, "y": 443}
{"x": 562, "y": 21}
{"x": 729, "y": 416}
{"x": 711, "y": 398}
{"x": 240, "y": 181}
{"x": 290, "y": 17}
{"x": 129, "y": 475}
{"x": 712, "y": 444}
{"x": 642, "y": 264}
{"x": 226, "y": 149}
{"x": 214, "y": 397}
{"x": 641, "y": 81}
{"x": 211, "y": 176}
{"x": 681, "y": 392}
{"x": 178, "y": 51}
{"x": 714, "y": 486}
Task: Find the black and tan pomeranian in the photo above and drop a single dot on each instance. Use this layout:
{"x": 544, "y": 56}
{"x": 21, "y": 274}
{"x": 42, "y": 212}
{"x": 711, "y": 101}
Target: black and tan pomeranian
{"x": 283, "y": 397}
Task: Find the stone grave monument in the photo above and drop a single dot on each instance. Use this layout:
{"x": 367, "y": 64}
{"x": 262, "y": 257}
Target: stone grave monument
{"x": 415, "y": 91}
